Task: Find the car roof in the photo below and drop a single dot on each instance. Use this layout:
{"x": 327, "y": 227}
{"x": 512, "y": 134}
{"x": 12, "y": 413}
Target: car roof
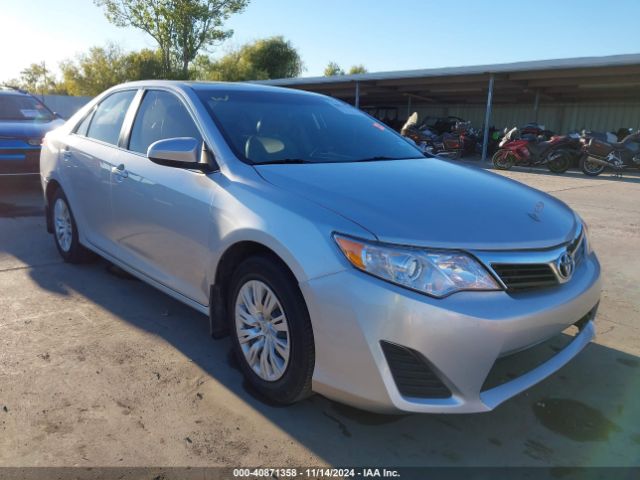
{"x": 222, "y": 86}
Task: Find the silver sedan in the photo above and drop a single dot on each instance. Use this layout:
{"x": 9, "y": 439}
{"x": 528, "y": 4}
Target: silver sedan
{"x": 338, "y": 258}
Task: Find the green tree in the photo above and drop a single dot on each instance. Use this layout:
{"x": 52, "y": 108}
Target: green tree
{"x": 275, "y": 57}
{"x": 95, "y": 71}
{"x": 356, "y": 69}
{"x": 104, "y": 67}
{"x": 182, "y": 28}
{"x": 36, "y": 78}
{"x": 272, "y": 57}
{"x": 333, "y": 69}
{"x": 143, "y": 65}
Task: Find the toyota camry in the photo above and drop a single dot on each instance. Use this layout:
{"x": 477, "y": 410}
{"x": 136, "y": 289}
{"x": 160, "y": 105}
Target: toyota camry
{"x": 337, "y": 257}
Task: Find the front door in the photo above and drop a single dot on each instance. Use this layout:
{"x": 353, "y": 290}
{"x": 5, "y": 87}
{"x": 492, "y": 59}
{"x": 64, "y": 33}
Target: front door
{"x": 162, "y": 215}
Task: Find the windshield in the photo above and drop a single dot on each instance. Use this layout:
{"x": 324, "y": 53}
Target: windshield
{"x": 23, "y": 107}
{"x": 289, "y": 127}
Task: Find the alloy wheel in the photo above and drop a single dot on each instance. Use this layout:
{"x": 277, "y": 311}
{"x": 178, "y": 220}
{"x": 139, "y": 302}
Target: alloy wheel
{"x": 503, "y": 160}
{"x": 593, "y": 167}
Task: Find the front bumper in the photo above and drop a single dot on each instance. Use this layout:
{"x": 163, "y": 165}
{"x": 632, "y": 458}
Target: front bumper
{"x": 460, "y": 336}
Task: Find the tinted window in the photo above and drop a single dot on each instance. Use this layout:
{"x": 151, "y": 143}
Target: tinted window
{"x": 23, "y": 107}
{"x": 107, "y": 120}
{"x": 272, "y": 126}
{"x": 161, "y": 115}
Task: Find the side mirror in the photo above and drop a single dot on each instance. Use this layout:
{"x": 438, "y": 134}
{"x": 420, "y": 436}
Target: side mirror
{"x": 180, "y": 152}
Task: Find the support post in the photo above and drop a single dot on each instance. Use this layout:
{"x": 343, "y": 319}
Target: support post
{"x": 408, "y": 105}
{"x": 487, "y": 119}
{"x": 357, "y": 103}
{"x": 536, "y": 103}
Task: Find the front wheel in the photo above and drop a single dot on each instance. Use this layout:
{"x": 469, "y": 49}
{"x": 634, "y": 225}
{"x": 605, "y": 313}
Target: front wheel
{"x": 503, "y": 159}
{"x": 271, "y": 330}
{"x": 65, "y": 231}
{"x": 590, "y": 168}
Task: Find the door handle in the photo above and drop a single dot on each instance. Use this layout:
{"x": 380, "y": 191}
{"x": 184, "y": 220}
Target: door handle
{"x": 120, "y": 171}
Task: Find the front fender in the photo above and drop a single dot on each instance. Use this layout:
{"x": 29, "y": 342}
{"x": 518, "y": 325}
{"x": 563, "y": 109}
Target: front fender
{"x": 298, "y": 230}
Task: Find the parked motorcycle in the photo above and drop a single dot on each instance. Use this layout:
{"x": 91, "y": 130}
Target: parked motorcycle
{"x": 598, "y": 154}
{"x": 555, "y": 153}
{"x": 447, "y": 145}
{"x": 468, "y": 136}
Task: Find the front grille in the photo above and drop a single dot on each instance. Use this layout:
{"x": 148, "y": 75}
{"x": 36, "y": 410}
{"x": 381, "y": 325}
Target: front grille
{"x": 525, "y": 276}
{"x": 412, "y": 375}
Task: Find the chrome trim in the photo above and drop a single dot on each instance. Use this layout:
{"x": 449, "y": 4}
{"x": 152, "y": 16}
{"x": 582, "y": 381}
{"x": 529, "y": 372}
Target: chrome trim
{"x": 533, "y": 257}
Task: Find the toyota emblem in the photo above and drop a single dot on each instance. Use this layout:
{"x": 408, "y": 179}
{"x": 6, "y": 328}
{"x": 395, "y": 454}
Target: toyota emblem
{"x": 566, "y": 265}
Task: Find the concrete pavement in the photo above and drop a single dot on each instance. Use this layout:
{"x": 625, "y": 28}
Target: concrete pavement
{"x": 100, "y": 370}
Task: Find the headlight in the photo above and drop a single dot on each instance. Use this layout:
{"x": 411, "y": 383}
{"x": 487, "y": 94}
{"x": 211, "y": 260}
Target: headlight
{"x": 586, "y": 243}
{"x": 435, "y": 272}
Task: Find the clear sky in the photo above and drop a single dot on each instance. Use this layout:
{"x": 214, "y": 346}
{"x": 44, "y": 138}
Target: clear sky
{"x": 381, "y": 34}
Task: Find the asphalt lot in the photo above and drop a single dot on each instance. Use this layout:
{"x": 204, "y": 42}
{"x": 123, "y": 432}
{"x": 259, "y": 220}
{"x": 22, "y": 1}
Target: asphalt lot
{"x": 101, "y": 370}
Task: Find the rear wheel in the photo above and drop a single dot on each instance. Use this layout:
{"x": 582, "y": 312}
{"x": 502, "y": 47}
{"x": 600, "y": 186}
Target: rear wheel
{"x": 590, "y": 168}
{"x": 65, "y": 231}
{"x": 559, "y": 162}
{"x": 271, "y": 330}
{"x": 503, "y": 159}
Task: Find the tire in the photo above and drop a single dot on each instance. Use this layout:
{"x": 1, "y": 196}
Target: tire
{"x": 65, "y": 231}
{"x": 560, "y": 164}
{"x": 590, "y": 169}
{"x": 503, "y": 159}
{"x": 280, "y": 381}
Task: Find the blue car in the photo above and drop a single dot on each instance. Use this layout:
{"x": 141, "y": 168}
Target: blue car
{"x": 24, "y": 121}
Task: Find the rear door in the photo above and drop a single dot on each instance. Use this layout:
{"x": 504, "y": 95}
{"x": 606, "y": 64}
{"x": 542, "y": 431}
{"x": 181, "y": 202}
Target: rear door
{"x": 91, "y": 152}
{"x": 162, "y": 217}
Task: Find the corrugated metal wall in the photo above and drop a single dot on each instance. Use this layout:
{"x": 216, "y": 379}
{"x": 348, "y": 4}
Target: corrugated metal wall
{"x": 560, "y": 118}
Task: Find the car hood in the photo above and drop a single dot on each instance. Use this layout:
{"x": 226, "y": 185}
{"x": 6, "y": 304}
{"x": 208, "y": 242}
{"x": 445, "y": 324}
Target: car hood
{"x": 430, "y": 202}
{"x": 22, "y": 129}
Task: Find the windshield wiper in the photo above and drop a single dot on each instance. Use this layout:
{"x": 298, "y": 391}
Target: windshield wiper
{"x": 283, "y": 161}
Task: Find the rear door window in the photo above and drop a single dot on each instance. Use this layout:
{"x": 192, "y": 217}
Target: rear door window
{"x": 107, "y": 120}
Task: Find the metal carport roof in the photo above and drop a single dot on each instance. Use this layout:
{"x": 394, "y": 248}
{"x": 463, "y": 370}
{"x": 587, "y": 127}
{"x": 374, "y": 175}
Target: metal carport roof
{"x": 614, "y": 77}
